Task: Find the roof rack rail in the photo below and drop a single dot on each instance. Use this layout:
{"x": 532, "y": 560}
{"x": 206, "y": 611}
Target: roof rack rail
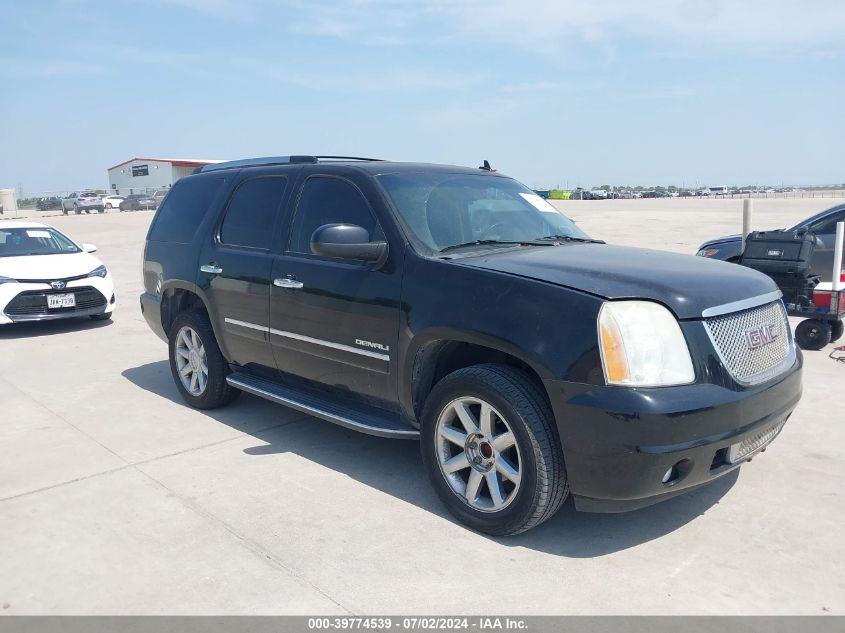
{"x": 256, "y": 162}
{"x": 278, "y": 160}
{"x": 345, "y": 158}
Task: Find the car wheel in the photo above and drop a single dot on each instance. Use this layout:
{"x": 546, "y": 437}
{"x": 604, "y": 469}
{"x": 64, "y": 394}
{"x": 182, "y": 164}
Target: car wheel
{"x": 197, "y": 365}
{"x": 491, "y": 449}
{"x": 101, "y": 317}
{"x": 837, "y": 331}
{"x": 813, "y": 334}
{"x": 108, "y": 205}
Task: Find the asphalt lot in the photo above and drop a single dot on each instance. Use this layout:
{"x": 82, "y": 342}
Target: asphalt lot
{"x": 115, "y": 498}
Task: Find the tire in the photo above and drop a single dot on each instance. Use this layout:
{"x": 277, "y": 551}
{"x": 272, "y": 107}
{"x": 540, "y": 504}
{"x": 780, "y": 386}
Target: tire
{"x": 837, "y": 331}
{"x": 216, "y": 392}
{"x": 813, "y": 334}
{"x": 101, "y": 317}
{"x": 108, "y": 205}
{"x": 535, "y": 455}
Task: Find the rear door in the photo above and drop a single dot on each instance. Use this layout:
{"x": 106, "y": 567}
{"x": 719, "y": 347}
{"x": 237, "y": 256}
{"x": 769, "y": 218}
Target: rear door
{"x": 235, "y": 267}
{"x": 335, "y": 322}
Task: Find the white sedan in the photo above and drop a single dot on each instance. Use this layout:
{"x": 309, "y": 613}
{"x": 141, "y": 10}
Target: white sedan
{"x": 112, "y": 202}
{"x": 46, "y": 275}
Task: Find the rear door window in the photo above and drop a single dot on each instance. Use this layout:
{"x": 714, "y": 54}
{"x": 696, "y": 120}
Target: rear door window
{"x": 252, "y": 212}
{"x": 183, "y": 210}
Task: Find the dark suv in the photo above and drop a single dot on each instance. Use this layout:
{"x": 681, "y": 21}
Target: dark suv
{"x": 456, "y": 306}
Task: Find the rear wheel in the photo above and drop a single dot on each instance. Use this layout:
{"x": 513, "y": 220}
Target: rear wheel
{"x": 108, "y": 205}
{"x": 492, "y": 451}
{"x": 197, "y": 365}
{"x": 813, "y": 334}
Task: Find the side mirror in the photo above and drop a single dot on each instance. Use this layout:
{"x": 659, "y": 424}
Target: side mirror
{"x": 346, "y": 241}
{"x": 89, "y": 248}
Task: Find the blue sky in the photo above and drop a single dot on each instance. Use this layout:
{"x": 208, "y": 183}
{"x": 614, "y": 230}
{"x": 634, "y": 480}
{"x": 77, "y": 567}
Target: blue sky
{"x": 553, "y": 92}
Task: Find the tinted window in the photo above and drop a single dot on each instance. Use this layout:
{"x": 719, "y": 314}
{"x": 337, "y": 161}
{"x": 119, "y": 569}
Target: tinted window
{"x": 183, "y": 210}
{"x": 827, "y": 225}
{"x": 252, "y": 212}
{"x": 328, "y": 201}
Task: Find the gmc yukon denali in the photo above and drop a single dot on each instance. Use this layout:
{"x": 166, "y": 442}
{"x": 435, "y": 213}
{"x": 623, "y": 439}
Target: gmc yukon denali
{"x": 455, "y": 306}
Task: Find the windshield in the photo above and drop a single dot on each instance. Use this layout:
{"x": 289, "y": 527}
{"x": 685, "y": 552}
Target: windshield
{"x": 87, "y": 194}
{"x": 15, "y": 242}
{"x": 446, "y": 209}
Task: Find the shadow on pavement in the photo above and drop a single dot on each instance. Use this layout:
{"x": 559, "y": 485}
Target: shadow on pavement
{"x": 49, "y": 328}
{"x": 395, "y": 467}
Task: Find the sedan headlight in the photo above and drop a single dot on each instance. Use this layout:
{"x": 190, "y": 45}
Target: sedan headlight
{"x": 707, "y": 252}
{"x": 7, "y": 280}
{"x": 642, "y": 345}
{"x": 99, "y": 271}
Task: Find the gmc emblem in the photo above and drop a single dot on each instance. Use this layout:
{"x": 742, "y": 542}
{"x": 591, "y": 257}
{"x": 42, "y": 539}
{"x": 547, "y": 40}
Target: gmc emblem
{"x": 760, "y": 335}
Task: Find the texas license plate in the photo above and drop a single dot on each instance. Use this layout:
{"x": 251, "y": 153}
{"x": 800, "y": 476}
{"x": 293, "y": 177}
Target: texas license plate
{"x": 61, "y": 301}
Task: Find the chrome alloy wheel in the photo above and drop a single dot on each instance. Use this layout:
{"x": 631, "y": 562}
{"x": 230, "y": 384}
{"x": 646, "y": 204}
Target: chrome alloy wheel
{"x": 191, "y": 361}
{"x": 478, "y": 454}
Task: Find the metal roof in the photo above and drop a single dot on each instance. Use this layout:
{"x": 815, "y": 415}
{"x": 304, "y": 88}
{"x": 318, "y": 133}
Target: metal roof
{"x": 179, "y": 162}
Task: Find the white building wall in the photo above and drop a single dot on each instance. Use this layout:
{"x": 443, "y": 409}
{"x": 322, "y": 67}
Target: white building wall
{"x": 160, "y": 175}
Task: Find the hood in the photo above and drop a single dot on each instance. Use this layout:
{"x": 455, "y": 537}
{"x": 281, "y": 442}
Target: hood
{"x": 48, "y": 267}
{"x": 684, "y": 283}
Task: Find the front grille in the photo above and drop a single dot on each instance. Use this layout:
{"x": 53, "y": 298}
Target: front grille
{"x": 752, "y": 444}
{"x": 749, "y": 356}
{"x": 34, "y": 302}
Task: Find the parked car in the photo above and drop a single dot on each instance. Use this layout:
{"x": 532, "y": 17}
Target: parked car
{"x": 370, "y": 294}
{"x": 686, "y": 194}
{"x": 45, "y": 275}
{"x": 822, "y": 225}
{"x": 138, "y": 201}
{"x": 112, "y": 201}
{"x": 84, "y": 201}
{"x": 49, "y": 203}
{"x": 702, "y": 192}
{"x": 598, "y": 194}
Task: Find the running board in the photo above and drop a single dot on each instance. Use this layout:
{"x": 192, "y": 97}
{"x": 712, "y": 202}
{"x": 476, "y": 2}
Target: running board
{"x": 373, "y": 423}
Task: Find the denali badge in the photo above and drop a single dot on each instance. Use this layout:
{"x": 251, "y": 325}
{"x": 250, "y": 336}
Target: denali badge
{"x": 384, "y": 348}
{"x": 57, "y": 285}
{"x": 760, "y": 335}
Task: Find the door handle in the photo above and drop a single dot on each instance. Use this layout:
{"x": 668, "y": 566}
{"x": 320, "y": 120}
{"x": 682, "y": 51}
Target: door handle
{"x": 287, "y": 282}
{"x": 211, "y": 268}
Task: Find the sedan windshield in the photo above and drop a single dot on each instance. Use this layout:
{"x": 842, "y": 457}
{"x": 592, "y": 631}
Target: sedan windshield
{"x": 444, "y": 209}
{"x": 16, "y": 242}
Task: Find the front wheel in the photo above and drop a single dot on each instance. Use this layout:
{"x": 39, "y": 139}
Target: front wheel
{"x": 813, "y": 334}
{"x": 108, "y": 205}
{"x": 197, "y": 365}
{"x": 491, "y": 449}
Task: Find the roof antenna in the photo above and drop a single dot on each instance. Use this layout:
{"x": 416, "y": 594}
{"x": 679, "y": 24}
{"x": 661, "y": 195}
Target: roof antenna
{"x": 486, "y": 166}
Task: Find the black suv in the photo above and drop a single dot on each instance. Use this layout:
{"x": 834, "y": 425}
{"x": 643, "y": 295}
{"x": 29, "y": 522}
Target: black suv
{"x": 456, "y": 306}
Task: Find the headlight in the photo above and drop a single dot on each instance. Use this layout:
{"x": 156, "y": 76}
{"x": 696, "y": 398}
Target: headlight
{"x": 7, "y": 280}
{"x": 707, "y": 252}
{"x": 642, "y": 345}
{"x": 99, "y": 271}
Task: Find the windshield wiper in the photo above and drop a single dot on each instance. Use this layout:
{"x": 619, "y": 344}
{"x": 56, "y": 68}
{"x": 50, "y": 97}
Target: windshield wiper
{"x": 570, "y": 238}
{"x": 484, "y": 242}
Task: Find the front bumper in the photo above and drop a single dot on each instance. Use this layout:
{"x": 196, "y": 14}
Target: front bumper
{"x": 8, "y": 292}
{"x": 619, "y": 443}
